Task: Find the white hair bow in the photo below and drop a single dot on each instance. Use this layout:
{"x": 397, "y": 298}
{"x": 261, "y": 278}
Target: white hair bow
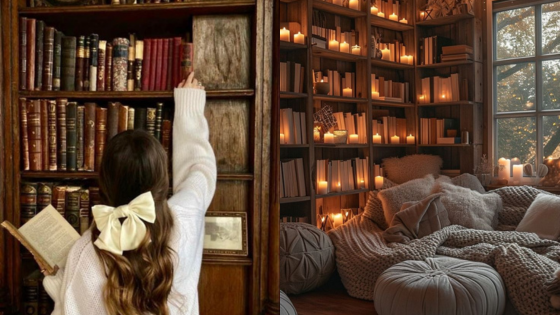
{"x": 117, "y": 238}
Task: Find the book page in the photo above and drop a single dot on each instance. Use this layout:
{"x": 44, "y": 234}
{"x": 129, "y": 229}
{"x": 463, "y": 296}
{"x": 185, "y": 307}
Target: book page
{"x": 51, "y": 236}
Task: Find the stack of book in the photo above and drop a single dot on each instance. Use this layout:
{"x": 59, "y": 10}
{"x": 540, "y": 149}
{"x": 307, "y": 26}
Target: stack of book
{"x": 339, "y": 85}
{"x": 442, "y": 90}
{"x": 353, "y": 123}
{"x": 389, "y": 91}
{"x": 51, "y": 61}
{"x": 292, "y": 126}
{"x": 321, "y": 35}
{"x": 439, "y": 131}
{"x": 58, "y": 135}
{"x": 457, "y": 53}
{"x": 289, "y": 219}
{"x": 343, "y": 175}
{"x": 387, "y": 127}
{"x": 292, "y": 179}
{"x": 430, "y": 49}
{"x": 292, "y": 77}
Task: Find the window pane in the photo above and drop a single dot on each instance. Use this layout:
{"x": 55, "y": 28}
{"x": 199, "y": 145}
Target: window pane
{"x": 516, "y": 33}
{"x": 551, "y": 133}
{"x": 517, "y": 138}
{"x": 551, "y": 28}
{"x": 551, "y": 84}
{"x": 516, "y": 87}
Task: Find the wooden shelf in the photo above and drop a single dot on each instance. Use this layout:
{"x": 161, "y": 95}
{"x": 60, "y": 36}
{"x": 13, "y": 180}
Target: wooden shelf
{"x": 390, "y": 64}
{"x": 292, "y": 95}
{"x": 342, "y": 193}
{"x": 226, "y": 260}
{"x": 131, "y": 94}
{"x": 293, "y": 146}
{"x": 291, "y": 46}
{"x": 444, "y": 145}
{"x": 400, "y": 145}
{"x": 337, "y": 55}
{"x": 375, "y": 102}
{"x": 447, "y": 64}
{"x": 339, "y": 99}
{"x": 30, "y": 175}
{"x": 336, "y": 9}
{"x": 390, "y": 25}
{"x": 294, "y": 199}
{"x": 340, "y": 146}
{"x": 447, "y": 104}
{"x": 445, "y": 20}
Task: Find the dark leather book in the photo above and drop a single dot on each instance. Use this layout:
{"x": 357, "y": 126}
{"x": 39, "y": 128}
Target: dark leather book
{"x": 140, "y": 118}
{"x": 80, "y": 138}
{"x": 44, "y": 195}
{"x": 23, "y": 53}
{"x": 23, "y": 133}
{"x": 48, "y": 58}
{"x": 139, "y": 56}
{"x": 57, "y": 59}
{"x": 34, "y": 134}
{"x": 166, "y": 135}
{"x": 100, "y": 134}
{"x": 61, "y": 133}
{"x": 46, "y": 305}
{"x": 176, "y": 61}
{"x": 30, "y": 294}
{"x": 86, "y": 62}
{"x": 151, "y": 120}
{"x": 39, "y": 35}
{"x": 112, "y": 119}
{"x": 84, "y": 210}
{"x": 101, "y": 65}
{"x": 51, "y": 104}
{"x": 59, "y": 198}
{"x": 80, "y": 56}
{"x": 93, "y": 61}
{"x": 120, "y": 63}
{"x": 159, "y": 117}
{"x": 71, "y": 136}
{"x": 28, "y": 201}
{"x": 31, "y": 54}
{"x": 68, "y": 63}
{"x": 159, "y": 61}
{"x": 123, "y": 118}
{"x": 164, "y": 64}
{"x": 169, "y": 80}
{"x": 94, "y": 196}
{"x": 130, "y": 124}
{"x": 153, "y": 57}
{"x": 89, "y": 136}
{"x": 72, "y": 211}
{"x": 109, "y": 67}
{"x": 146, "y": 65}
{"x": 44, "y": 134}
{"x": 187, "y": 58}
{"x": 130, "y": 63}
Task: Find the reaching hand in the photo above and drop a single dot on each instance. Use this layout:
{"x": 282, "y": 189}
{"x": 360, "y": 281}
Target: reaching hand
{"x": 191, "y": 82}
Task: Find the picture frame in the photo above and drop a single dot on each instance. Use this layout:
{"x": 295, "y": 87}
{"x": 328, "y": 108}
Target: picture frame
{"x": 225, "y": 234}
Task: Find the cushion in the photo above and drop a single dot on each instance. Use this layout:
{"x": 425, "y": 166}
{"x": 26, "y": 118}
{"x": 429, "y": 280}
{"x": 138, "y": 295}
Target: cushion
{"x": 306, "y": 257}
{"x": 440, "y": 285}
{"x": 414, "y": 190}
{"x": 542, "y": 217}
{"x": 469, "y": 208}
{"x": 286, "y": 306}
{"x": 468, "y": 181}
{"x": 410, "y": 167}
{"x": 374, "y": 208}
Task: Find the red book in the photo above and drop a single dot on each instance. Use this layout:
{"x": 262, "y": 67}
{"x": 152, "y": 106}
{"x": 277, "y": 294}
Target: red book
{"x": 146, "y": 64}
{"x": 153, "y": 56}
{"x": 169, "y": 79}
{"x": 159, "y": 61}
{"x": 31, "y": 54}
{"x": 164, "y": 62}
{"x": 176, "y": 63}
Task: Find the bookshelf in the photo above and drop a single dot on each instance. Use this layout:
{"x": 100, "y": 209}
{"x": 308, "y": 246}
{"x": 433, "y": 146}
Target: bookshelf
{"x": 239, "y": 106}
{"x": 462, "y": 28}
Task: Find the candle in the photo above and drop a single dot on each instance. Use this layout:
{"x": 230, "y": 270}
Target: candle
{"x": 316, "y": 135}
{"x": 404, "y": 59}
{"x": 404, "y": 21}
{"x": 517, "y": 174}
{"x": 347, "y": 92}
{"x": 354, "y": 5}
{"x": 333, "y": 45}
{"x": 422, "y": 16}
{"x": 395, "y": 139}
{"x": 504, "y": 168}
{"x": 337, "y": 188}
{"x": 374, "y": 94}
{"x": 385, "y": 54}
{"x": 322, "y": 190}
{"x": 356, "y": 50}
{"x": 376, "y": 138}
{"x": 344, "y": 47}
{"x": 443, "y": 97}
{"x": 328, "y": 138}
{"x": 378, "y": 182}
{"x": 282, "y": 138}
{"x": 374, "y": 10}
{"x": 285, "y": 35}
{"x": 410, "y": 60}
{"x": 299, "y": 38}
{"x": 362, "y": 184}
{"x": 381, "y": 14}
{"x": 353, "y": 138}
{"x": 337, "y": 219}
{"x": 421, "y": 99}
{"x": 394, "y": 17}
{"x": 410, "y": 139}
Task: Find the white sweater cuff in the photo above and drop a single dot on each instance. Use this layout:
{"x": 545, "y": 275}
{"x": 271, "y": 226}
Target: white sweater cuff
{"x": 53, "y": 285}
{"x": 189, "y": 101}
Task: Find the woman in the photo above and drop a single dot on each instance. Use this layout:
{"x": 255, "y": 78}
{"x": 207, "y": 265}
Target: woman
{"x": 143, "y": 253}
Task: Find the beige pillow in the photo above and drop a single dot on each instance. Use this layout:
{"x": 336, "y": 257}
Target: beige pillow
{"x": 374, "y": 208}
{"x": 542, "y": 217}
{"x": 468, "y": 181}
{"x": 410, "y": 167}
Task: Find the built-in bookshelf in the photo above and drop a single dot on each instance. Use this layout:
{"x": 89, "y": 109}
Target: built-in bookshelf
{"x": 387, "y": 71}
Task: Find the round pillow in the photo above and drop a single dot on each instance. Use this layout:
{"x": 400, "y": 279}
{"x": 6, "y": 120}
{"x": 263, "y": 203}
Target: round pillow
{"x": 440, "y": 285}
{"x": 286, "y": 306}
{"x": 306, "y": 257}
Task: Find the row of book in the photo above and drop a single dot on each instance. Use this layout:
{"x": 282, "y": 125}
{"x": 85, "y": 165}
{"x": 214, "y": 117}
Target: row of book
{"x": 292, "y": 179}
{"x": 321, "y": 35}
{"x": 58, "y": 135}
{"x": 387, "y": 127}
{"x": 339, "y": 85}
{"x": 389, "y": 7}
{"x": 439, "y": 131}
{"x": 36, "y": 300}
{"x": 430, "y": 49}
{"x": 392, "y": 51}
{"x": 456, "y": 53}
{"x": 292, "y": 126}
{"x": 353, "y": 124}
{"x": 341, "y": 175}
{"x": 51, "y": 61}
{"x": 389, "y": 90}
{"x": 293, "y": 219}
{"x": 441, "y": 90}
{"x": 292, "y": 77}
{"x": 42, "y": 3}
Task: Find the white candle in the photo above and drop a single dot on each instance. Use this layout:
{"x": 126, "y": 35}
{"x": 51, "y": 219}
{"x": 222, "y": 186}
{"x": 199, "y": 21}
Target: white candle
{"x": 344, "y": 47}
{"x": 381, "y": 14}
{"x": 410, "y": 139}
{"x": 347, "y": 92}
{"x": 282, "y": 138}
{"x": 376, "y": 138}
{"x": 443, "y": 97}
{"x": 378, "y": 182}
{"x": 393, "y": 17}
{"x": 354, "y": 5}
{"x": 299, "y": 38}
{"x": 404, "y": 21}
{"x": 337, "y": 188}
{"x": 422, "y": 15}
{"x": 316, "y": 136}
{"x": 362, "y": 184}
{"x": 374, "y": 10}
{"x": 356, "y": 50}
{"x": 421, "y": 99}
{"x": 353, "y": 138}
{"x": 504, "y": 168}
{"x": 410, "y": 59}
{"x": 395, "y": 139}
{"x": 328, "y": 137}
{"x": 333, "y": 45}
{"x": 385, "y": 54}
{"x": 337, "y": 219}
{"x": 285, "y": 35}
{"x": 374, "y": 94}
{"x": 517, "y": 174}
{"x": 322, "y": 190}
{"x": 404, "y": 59}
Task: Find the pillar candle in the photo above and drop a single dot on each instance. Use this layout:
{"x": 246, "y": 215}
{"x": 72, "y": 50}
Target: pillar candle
{"x": 374, "y": 10}
{"x": 362, "y": 184}
{"x": 333, "y": 45}
{"x": 422, "y": 16}
{"x": 378, "y": 182}
{"x": 394, "y": 17}
{"x": 410, "y": 139}
{"x": 329, "y": 137}
{"x": 421, "y": 99}
{"x": 356, "y": 50}
{"x": 322, "y": 190}
{"x": 347, "y": 92}
{"x": 316, "y": 136}
{"x": 374, "y": 94}
{"x": 410, "y": 60}
{"x": 504, "y": 167}
{"x": 385, "y": 54}
{"x": 299, "y": 38}
{"x": 337, "y": 219}
{"x": 285, "y": 35}
{"x": 381, "y": 14}
{"x": 404, "y": 59}
{"x": 404, "y": 21}
{"x": 517, "y": 174}
{"x": 282, "y": 138}
{"x": 395, "y": 139}
{"x": 376, "y": 138}
{"x": 354, "y": 5}
{"x": 353, "y": 138}
{"x": 344, "y": 47}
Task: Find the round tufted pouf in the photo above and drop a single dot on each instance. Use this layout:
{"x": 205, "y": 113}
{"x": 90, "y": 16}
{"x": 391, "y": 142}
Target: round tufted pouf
{"x": 440, "y": 285}
{"x": 286, "y": 306}
{"x": 306, "y": 257}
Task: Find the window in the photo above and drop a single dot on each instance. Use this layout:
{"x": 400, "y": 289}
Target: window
{"x": 526, "y": 66}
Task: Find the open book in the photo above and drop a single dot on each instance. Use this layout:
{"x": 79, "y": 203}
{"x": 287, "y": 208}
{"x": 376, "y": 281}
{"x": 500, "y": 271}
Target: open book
{"x": 48, "y": 236}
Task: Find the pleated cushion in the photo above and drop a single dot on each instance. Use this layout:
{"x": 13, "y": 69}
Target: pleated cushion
{"x": 286, "y": 306}
{"x": 306, "y": 257}
{"x": 440, "y": 285}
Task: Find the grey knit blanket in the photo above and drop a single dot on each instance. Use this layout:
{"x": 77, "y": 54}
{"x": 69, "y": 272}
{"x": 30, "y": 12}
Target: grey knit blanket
{"x": 525, "y": 262}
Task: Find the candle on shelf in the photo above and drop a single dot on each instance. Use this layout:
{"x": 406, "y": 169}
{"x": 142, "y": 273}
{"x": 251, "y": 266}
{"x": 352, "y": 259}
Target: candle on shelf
{"x": 356, "y": 50}
{"x": 347, "y": 92}
{"x": 421, "y": 98}
{"x": 285, "y": 35}
{"x": 394, "y": 17}
{"x": 376, "y": 138}
{"x": 410, "y": 59}
{"x": 404, "y": 59}
{"x": 299, "y": 38}
{"x": 374, "y": 94}
{"x": 337, "y": 219}
{"x": 517, "y": 174}
{"x": 395, "y": 139}
{"x": 337, "y": 187}
{"x": 328, "y": 137}
{"x": 353, "y": 138}
{"x": 422, "y": 16}
{"x": 404, "y": 21}
{"x": 344, "y": 47}
{"x": 443, "y": 97}
{"x": 381, "y": 14}
{"x": 316, "y": 135}
{"x": 378, "y": 182}
{"x": 354, "y": 5}
{"x": 362, "y": 184}
{"x": 374, "y": 10}
{"x": 333, "y": 45}
{"x": 322, "y": 190}
{"x": 282, "y": 138}
{"x": 410, "y": 139}
{"x": 504, "y": 168}
{"x": 385, "y": 54}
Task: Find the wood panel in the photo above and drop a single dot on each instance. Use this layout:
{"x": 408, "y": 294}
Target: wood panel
{"x": 222, "y": 47}
{"x": 223, "y": 290}
{"x": 231, "y": 196}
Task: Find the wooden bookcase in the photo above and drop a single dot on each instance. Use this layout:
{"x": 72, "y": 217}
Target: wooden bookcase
{"x": 463, "y": 29}
{"x": 233, "y": 59}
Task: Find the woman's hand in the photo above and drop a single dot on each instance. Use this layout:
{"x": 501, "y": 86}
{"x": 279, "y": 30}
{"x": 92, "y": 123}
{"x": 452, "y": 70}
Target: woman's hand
{"x": 191, "y": 82}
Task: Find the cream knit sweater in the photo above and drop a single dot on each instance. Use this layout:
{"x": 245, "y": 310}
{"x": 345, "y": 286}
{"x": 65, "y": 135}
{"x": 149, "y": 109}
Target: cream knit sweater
{"x": 78, "y": 288}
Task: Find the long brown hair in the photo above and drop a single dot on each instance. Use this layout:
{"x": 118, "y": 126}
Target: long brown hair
{"x": 139, "y": 281}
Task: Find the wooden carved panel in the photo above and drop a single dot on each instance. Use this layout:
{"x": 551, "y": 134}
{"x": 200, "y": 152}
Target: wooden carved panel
{"x": 231, "y": 196}
{"x": 223, "y": 290}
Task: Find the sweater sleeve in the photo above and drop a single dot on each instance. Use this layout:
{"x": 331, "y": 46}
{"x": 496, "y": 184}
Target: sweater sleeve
{"x": 194, "y": 163}
{"x": 53, "y": 286}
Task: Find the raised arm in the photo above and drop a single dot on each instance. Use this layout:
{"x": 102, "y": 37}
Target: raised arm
{"x": 194, "y": 163}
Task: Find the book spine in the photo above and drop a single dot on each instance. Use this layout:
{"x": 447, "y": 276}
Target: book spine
{"x": 71, "y": 137}
{"x": 23, "y": 131}
{"x": 61, "y": 132}
{"x": 112, "y": 119}
{"x": 80, "y": 56}
{"x": 28, "y": 201}
{"x": 139, "y": 51}
{"x": 72, "y": 212}
{"x": 159, "y": 117}
{"x": 52, "y": 135}
{"x": 94, "y": 196}
{"x": 48, "y": 59}
{"x": 164, "y": 63}
{"x": 93, "y": 64}
{"x": 130, "y": 124}
{"x": 169, "y": 80}
{"x": 84, "y": 210}
{"x": 147, "y": 63}
{"x": 153, "y": 58}
{"x": 30, "y": 295}
{"x": 89, "y": 136}
{"x": 176, "y": 67}
{"x": 39, "y": 35}
{"x": 31, "y": 54}
{"x": 44, "y": 134}
{"x": 101, "y": 65}
{"x": 23, "y": 53}
{"x": 34, "y": 134}
{"x": 123, "y": 118}
{"x": 120, "y": 63}
{"x": 44, "y": 195}
{"x": 151, "y": 120}
{"x": 186, "y": 61}
{"x": 166, "y": 135}
{"x": 159, "y": 60}
{"x": 109, "y": 68}
{"x": 140, "y": 119}
{"x": 80, "y": 138}
{"x": 87, "y": 47}
{"x": 100, "y": 134}
{"x": 46, "y": 305}
{"x": 68, "y": 67}
{"x": 130, "y": 69}
{"x": 57, "y": 59}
